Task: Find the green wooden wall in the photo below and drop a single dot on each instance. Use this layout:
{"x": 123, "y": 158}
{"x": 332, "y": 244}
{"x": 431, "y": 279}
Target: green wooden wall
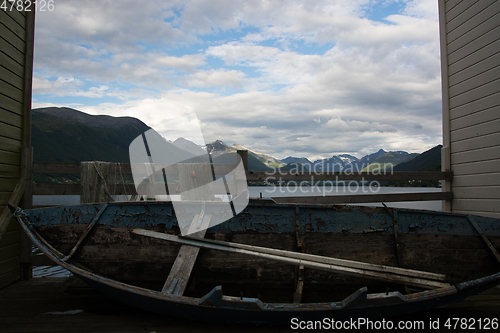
{"x": 16, "y": 49}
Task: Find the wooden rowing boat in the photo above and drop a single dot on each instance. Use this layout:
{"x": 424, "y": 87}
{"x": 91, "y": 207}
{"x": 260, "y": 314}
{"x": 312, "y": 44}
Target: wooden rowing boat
{"x": 272, "y": 262}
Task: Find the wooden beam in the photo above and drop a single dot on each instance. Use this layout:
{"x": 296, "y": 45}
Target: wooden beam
{"x": 343, "y": 176}
{"x": 74, "y": 168}
{"x": 14, "y": 199}
{"x": 365, "y": 198}
{"x": 178, "y": 277}
{"x": 124, "y": 168}
{"x": 86, "y": 232}
{"x": 484, "y": 238}
{"x": 291, "y": 258}
{"x": 300, "y": 274}
{"x": 192, "y": 177}
{"x": 44, "y": 167}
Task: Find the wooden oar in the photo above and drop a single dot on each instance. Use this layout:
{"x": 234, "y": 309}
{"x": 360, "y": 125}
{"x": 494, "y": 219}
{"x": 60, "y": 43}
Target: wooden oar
{"x": 320, "y": 263}
{"x": 333, "y": 261}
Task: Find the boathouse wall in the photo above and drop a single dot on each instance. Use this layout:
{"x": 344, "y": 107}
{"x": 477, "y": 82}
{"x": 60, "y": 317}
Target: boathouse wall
{"x": 470, "y": 57}
{"x": 16, "y": 67}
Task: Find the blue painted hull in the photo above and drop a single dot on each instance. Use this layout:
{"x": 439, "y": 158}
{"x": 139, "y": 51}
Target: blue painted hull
{"x": 425, "y": 237}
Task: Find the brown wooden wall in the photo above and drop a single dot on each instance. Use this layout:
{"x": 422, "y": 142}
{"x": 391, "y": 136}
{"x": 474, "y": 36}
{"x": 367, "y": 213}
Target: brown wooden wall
{"x": 470, "y": 54}
{"x": 16, "y": 60}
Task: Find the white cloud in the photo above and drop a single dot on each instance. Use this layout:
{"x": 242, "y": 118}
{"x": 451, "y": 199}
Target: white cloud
{"x": 186, "y": 63}
{"x": 215, "y": 78}
{"x": 312, "y": 78}
{"x": 346, "y": 126}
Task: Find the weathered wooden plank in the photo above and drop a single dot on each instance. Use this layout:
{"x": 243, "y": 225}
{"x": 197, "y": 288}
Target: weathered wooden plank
{"x": 476, "y": 155}
{"x": 475, "y": 81}
{"x": 444, "y": 242}
{"x": 9, "y": 265}
{"x": 8, "y": 104}
{"x": 28, "y": 81}
{"x": 192, "y": 177}
{"x": 8, "y": 22}
{"x": 476, "y": 118}
{"x": 180, "y": 273}
{"x": 11, "y": 145}
{"x": 475, "y": 94}
{"x": 329, "y": 260}
{"x": 11, "y": 236}
{"x": 124, "y": 168}
{"x": 7, "y": 278}
{"x": 476, "y": 131}
{"x": 478, "y": 213}
{"x": 86, "y": 232}
{"x": 9, "y": 251}
{"x": 74, "y": 168}
{"x": 10, "y": 91}
{"x": 484, "y": 238}
{"x": 482, "y": 167}
{"x": 11, "y": 158}
{"x": 489, "y": 179}
{"x": 11, "y": 65}
{"x": 480, "y": 192}
{"x": 11, "y": 118}
{"x": 465, "y": 16}
{"x": 4, "y": 197}
{"x": 455, "y": 8}
{"x": 6, "y": 74}
{"x": 474, "y": 46}
{"x": 484, "y": 141}
{"x": 16, "y": 56}
{"x": 44, "y": 167}
{"x": 420, "y": 282}
{"x": 480, "y": 67}
{"x": 12, "y": 50}
{"x": 478, "y": 62}
{"x": 18, "y": 16}
{"x": 8, "y": 184}
{"x": 366, "y": 198}
{"x": 480, "y": 205}
{"x": 10, "y": 131}
{"x": 472, "y": 21}
{"x": 342, "y": 176}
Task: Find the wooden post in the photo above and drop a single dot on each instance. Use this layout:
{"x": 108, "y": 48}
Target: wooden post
{"x": 192, "y": 177}
{"x": 27, "y": 150}
{"x": 445, "y": 151}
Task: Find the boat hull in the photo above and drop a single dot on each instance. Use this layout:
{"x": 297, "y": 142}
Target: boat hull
{"x": 133, "y": 268}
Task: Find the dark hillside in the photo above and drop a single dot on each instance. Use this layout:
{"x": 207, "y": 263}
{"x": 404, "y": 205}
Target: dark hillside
{"x": 67, "y": 135}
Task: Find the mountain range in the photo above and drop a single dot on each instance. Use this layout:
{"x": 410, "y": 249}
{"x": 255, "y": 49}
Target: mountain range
{"x": 68, "y": 135}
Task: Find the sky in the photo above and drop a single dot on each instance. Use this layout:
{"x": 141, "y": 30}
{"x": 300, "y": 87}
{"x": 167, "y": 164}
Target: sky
{"x": 287, "y": 78}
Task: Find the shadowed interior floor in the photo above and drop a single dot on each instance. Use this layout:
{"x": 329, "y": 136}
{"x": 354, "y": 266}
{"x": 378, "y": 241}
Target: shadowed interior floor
{"x": 68, "y": 305}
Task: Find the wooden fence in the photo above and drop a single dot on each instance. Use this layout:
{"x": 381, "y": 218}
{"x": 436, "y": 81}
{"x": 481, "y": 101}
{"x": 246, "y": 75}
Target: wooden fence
{"x": 125, "y": 169}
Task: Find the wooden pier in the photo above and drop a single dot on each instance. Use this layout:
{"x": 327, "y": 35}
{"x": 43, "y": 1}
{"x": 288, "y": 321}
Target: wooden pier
{"x": 68, "y": 305}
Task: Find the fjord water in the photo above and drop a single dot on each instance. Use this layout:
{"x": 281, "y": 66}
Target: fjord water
{"x": 287, "y": 191}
